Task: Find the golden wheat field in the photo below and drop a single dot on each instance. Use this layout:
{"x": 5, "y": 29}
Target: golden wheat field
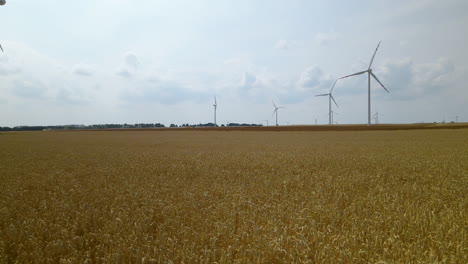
{"x": 234, "y": 197}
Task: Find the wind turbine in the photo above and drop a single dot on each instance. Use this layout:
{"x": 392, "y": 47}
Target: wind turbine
{"x": 215, "y": 106}
{"x": 369, "y": 74}
{"x": 276, "y": 111}
{"x": 376, "y": 117}
{"x": 266, "y": 121}
{"x": 332, "y": 115}
{"x": 456, "y": 118}
{"x": 330, "y": 97}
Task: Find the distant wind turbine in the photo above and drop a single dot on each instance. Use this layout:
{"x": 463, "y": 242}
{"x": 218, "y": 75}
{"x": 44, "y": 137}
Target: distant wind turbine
{"x": 330, "y": 97}
{"x": 333, "y": 113}
{"x": 215, "y": 106}
{"x": 376, "y": 117}
{"x": 276, "y": 112}
{"x": 456, "y": 118}
{"x": 370, "y": 73}
{"x": 266, "y": 121}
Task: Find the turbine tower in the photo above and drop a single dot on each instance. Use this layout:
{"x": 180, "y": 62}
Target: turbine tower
{"x": 369, "y": 74}
{"x": 276, "y": 112}
{"x": 330, "y": 97}
{"x": 215, "y": 106}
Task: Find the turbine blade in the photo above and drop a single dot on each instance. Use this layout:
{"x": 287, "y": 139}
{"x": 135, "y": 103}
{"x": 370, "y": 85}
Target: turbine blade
{"x": 1, "y": 47}
{"x": 281, "y": 107}
{"x": 375, "y": 77}
{"x": 334, "y": 100}
{"x": 274, "y": 112}
{"x": 372, "y": 60}
{"x": 322, "y": 95}
{"x": 333, "y": 85}
{"x": 358, "y": 73}
{"x": 215, "y": 101}
{"x": 273, "y": 103}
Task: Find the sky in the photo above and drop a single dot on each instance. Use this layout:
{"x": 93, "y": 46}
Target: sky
{"x": 153, "y": 61}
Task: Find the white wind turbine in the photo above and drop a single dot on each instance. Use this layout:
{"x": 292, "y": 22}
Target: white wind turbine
{"x": 370, "y": 73}
{"x": 330, "y": 97}
{"x": 376, "y": 117}
{"x": 333, "y": 113}
{"x": 215, "y": 106}
{"x": 456, "y": 118}
{"x": 276, "y": 111}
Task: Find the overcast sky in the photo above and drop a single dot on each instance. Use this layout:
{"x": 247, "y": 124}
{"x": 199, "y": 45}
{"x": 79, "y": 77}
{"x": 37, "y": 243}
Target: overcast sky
{"x": 123, "y": 61}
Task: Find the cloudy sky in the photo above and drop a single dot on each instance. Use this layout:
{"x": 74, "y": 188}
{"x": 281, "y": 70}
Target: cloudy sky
{"x": 116, "y": 61}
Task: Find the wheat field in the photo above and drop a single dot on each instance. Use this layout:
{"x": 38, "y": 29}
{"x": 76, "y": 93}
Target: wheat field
{"x": 234, "y": 197}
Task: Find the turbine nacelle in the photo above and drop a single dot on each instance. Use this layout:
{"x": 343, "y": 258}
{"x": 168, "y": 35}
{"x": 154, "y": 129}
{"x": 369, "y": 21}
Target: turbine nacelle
{"x": 331, "y": 96}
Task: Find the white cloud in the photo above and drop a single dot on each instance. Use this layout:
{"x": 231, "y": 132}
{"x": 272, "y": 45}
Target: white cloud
{"x": 160, "y": 91}
{"x": 29, "y": 89}
{"x": 325, "y": 38}
{"x": 407, "y": 80}
{"x": 69, "y": 96}
{"x": 129, "y": 66}
{"x": 282, "y": 44}
{"x": 82, "y": 70}
{"x": 7, "y": 68}
{"x": 248, "y": 81}
{"x": 313, "y": 78}
{"x": 232, "y": 61}
{"x": 131, "y": 60}
{"x": 124, "y": 73}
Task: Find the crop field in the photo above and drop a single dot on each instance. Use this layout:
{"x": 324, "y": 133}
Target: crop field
{"x": 234, "y": 196}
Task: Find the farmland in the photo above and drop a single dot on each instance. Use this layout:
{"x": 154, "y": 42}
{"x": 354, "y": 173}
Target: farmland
{"x": 234, "y": 196}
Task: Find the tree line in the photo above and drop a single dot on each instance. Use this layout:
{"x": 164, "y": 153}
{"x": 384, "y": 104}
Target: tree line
{"x": 116, "y": 126}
